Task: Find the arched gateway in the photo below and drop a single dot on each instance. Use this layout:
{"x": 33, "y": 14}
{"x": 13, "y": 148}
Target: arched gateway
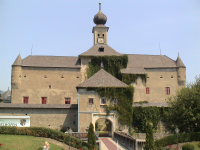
{"x": 104, "y": 123}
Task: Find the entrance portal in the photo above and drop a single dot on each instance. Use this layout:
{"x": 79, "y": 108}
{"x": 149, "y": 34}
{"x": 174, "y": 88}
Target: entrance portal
{"x": 104, "y": 127}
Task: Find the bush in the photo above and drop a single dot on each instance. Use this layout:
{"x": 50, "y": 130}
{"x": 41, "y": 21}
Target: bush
{"x": 160, "y": 148}
{"x": 183, "y": 137}
{"x": 43, "y": 132}
{"x": 84, "y": 148}
{"x": 96, "y": 147}
{"x": 188, "y": 147}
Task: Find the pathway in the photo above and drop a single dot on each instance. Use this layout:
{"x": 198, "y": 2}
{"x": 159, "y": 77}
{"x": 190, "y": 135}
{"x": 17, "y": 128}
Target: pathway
{"x": 109, "y": 144}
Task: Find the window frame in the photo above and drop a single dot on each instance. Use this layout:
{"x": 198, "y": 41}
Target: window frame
{"x": 167, "y": 90}
{"x": 67, "y": 100}
{"x": 147, "y": 90}
{"x": 103, "y": 101}
{"x": 25, "y": 99}
{"x": 115, "y": 101}
{"x": 43, "y": 100}
{"x": 92, "y": 101}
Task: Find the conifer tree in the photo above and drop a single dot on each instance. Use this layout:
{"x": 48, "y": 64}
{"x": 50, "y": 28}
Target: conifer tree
{"x": 149, "y": 145}
{"x": 91, "y": 137}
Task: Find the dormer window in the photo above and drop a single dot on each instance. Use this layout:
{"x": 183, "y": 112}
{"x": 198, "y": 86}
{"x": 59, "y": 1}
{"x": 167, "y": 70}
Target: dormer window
{"x": 101, "y": 49}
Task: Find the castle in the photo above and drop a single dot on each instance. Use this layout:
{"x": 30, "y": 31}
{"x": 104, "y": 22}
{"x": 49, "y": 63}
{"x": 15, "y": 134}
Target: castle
{"x": 52, "y": 89}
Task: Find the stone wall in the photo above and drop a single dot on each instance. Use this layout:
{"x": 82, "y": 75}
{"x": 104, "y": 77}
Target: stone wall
{"x": 155, "y": 135}
{"x": 54, "y": 83}
{"x": 55, "y": 118}
{"x": 157, "y": 80}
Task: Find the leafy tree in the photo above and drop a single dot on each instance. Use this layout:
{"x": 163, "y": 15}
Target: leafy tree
{"x": 149, "y": 145}
{"x": 91, "y": 137}
{"x": 184, "y": 111}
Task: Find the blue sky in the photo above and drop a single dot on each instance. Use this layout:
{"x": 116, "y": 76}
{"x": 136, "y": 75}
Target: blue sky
{"x": 64, "y": 28}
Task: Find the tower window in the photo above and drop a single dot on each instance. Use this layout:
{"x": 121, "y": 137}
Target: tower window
{"x": 167, "y": 90}
{"x": 98, "y": 35}
{"x": 103, "y": 101}
{"x": 49, "y": 86}
{"x": 101, "y": 49}
{"x": 90, "y": 101}
{"x": 25, "y": 100}
{"x": 44, "y": 100}
{"x": 147, "y": 90}
{"x": 103, "y": 34}
{"x": 67, "y": 100}
{"x": 115, "y": 101}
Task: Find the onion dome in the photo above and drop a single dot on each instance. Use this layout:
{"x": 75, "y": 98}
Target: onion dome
{"x": 100, "y": 18}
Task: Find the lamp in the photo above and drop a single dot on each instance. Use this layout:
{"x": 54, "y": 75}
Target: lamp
{"x": 177, "y": 131}
{"x": 70, "y": 133}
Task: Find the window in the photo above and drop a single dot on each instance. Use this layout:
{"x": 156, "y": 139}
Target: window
{"x": 147, "y": 90}
{"x": 90, "y": 100}
{"x": 49, "y": 86}
{"x": 167, "y": 90}
{"x": 115, "y": 101}
{"x": 25, "y": 100}
{"x": 103, "y": 101}
{"x": 67, "y": 100}
{"x": 101, "y": 49}
{"x": 44, "y": 100}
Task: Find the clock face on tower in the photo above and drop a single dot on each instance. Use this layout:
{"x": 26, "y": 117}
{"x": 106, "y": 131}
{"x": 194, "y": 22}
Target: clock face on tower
{"x": 100, "y": 40}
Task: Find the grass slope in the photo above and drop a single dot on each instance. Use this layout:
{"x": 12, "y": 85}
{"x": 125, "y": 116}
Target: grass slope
{"x": 22, "y": 142}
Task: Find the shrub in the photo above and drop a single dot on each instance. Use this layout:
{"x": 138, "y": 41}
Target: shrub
{"x": 43, "y": 132}
{"x": 91, "y": 137}
{"x": 183, "y": 137}
{"x": 96, "y": 147}
{"x": 84, "y": 148}
{"x": 188, "y": 147}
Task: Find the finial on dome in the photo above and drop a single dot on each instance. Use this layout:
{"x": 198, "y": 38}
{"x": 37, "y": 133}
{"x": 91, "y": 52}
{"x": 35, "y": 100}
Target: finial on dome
{"x": 100, "y": 18}
{"x": 99, "y": 5}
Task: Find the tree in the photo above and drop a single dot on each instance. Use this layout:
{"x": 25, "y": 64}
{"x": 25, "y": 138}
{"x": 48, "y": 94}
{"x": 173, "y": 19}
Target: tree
{"x": 149, "y": 145}
{"x": 184, "y": 111}
{"x": 91, "y": 137}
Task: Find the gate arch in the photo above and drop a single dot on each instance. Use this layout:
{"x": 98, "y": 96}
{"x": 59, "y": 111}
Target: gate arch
{"x": 111, "y": 118}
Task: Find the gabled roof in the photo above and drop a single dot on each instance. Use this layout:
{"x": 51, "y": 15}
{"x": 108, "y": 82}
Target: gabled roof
{"x": 138, "y": 63}
{"x": 94, "y": 51}
{"x": 18, "y": 61}
{"x": 51, "y": 61}
{"x": 179, "y": 62}
{"x": 102, "y": 79}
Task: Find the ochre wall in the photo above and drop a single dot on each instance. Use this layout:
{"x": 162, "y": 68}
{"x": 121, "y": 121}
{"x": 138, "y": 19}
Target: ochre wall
{"x": 31, "y": 82}
{"x": 43, "y": 117}
{"x": 157, "y": 80}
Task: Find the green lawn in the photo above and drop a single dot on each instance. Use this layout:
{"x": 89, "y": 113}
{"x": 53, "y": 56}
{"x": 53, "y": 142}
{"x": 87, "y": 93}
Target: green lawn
{"x": 23, "y": 142}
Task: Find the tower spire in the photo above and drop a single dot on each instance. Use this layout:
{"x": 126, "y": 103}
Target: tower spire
{"x": 99, "y": 6}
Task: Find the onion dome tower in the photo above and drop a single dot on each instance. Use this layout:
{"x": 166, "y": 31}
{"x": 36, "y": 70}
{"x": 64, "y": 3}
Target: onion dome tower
{"x": 100, "y": 30}
{"x": 100, "y": 18}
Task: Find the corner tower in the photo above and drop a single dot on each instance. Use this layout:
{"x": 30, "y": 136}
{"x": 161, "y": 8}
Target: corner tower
{"x": 100, "y": 30}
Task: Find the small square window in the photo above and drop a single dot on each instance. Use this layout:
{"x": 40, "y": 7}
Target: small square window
{"x": 90, "y": 100}
{"x": 67, "y": 100}
{"x": 167, "y": 90}
{"x": 147, "y": 90}
{"x": 115, "y": 101}
{"x": 25, "y": 100}
{"x": 103, "y": 101}
{"x": 101, "y": 49}
{"x": 44, "y": 100}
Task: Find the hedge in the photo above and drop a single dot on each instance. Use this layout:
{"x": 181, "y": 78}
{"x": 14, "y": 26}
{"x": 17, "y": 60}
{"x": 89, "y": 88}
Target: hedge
{"x": 188, "y": 147}
{"x": 182, "y": 137}
{"x": 43, "y": 132}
